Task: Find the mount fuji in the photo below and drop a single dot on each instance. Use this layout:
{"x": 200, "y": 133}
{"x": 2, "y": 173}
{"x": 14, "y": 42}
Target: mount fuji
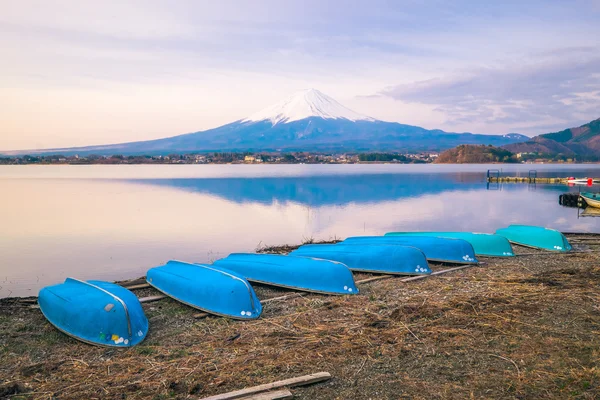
{"x": 306, "y": 121}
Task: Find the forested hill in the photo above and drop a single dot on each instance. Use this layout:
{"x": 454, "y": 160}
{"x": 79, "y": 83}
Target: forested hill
{"x": 475, "y": 154}
{"x": 581, "y": 141}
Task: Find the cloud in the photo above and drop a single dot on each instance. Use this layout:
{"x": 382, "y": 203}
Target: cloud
{"x": 125, "y": 70}
{"x": 564, "y": 86}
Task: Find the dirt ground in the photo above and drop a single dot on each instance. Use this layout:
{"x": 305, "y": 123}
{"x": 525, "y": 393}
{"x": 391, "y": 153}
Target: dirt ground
{"x": 527, "y": 327}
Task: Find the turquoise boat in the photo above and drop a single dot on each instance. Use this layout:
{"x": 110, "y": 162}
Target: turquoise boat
{"x": 484, "y": 244}
{"x": 591, "y": 199}
{"x": 301, "y": 273}
{"x": 95, "y": 312}
{"x": 537, "y": 237}
{"x": 435, "y": 248}
{"x": 206, "y": 288}
{"x": 396, "y": 260}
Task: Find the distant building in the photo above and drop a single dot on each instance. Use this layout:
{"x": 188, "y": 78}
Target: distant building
{"x": 249, "y": 159}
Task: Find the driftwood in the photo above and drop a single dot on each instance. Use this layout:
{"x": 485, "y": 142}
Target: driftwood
{"x": 140, "y": 286}
{"x": 299, "y": 381}
{"x": 152, "y": 298}
{"x": 444, "y": 271}
{"x": 274, "y": 395}
{"x": 414, "y": 278}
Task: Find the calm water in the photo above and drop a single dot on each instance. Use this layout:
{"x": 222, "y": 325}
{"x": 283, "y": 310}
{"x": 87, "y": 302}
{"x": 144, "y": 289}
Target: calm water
{"x": 115, "y": 222}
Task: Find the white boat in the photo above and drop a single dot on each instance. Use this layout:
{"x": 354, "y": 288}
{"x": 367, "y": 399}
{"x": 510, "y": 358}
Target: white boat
{"x": 583, "y": 181}
{"x": 592, "y": 199}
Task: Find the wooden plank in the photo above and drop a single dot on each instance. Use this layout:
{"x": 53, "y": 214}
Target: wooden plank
{"x": 376, "y": 278}
{"x": 274, "y": 395}
{"x": 414, "y": 278}
{"x": 140, "y": 286}
{"x": 444, "y": 271}
{"x": 152, "y": 298}
{"x": 299, "y": 381}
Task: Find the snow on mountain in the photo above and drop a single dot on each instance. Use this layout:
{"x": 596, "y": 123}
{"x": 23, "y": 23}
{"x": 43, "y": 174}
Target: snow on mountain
{"x": 305, "y": 104}
{"x": 307, "y": 121}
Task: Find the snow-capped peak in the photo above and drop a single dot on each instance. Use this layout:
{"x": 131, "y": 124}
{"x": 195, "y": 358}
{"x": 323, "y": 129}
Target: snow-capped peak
{"x": 305, "y": 104}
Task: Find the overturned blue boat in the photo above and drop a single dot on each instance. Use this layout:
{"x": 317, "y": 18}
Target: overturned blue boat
{"x": 398, "y": 260}
{"x": 95, "y": 312}
{"x": 536, "y": 237}
{"x": 302, "y": 273}
{"x": 435, "y": 248}
{"x": 484, "y": 244}
{"x": 214, "y": 290}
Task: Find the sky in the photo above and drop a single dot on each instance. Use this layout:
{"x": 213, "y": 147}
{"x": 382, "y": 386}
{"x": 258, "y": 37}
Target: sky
{"x": 76, "y": 73}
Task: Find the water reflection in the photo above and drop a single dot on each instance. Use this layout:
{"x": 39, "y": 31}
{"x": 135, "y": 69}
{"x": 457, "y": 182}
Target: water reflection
{"x": 118, "y": 228}
{"x": 317, "y": 191}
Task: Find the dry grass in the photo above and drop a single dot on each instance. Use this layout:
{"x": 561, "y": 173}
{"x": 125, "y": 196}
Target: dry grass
{"x": 526, "y": 327}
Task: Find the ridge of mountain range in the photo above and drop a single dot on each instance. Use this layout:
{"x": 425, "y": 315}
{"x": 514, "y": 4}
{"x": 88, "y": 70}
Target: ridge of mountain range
{"x": 583, "y": 140}
{"x": 314, "y": 122}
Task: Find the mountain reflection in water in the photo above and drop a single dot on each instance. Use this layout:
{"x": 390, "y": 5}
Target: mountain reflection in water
{"x": 115, "y": 223}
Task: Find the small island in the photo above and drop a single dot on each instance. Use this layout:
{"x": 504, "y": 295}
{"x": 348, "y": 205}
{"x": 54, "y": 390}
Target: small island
{"x": 482, "y": 154}
{"x": 476, "y": 154}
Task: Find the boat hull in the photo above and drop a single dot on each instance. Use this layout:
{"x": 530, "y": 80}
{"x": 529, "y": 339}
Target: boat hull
{"x": 484, "y": 244}
{"x": 95, "y": 312}
{"x": 206, "y": 288}
{"x": 583, "y": 181}
{"x": 536, "y": 237}
{"x": 397, "y": 260}
{"x": 456, "y": 251}
{"x": 301, "y": 273}
{"x": 592, "y": 199}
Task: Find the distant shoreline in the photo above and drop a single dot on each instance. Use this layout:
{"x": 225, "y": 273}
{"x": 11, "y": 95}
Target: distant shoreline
{"x": 227, "y": 158}
{"x": 304, "y": 163}
{"x": 271, "y": 159}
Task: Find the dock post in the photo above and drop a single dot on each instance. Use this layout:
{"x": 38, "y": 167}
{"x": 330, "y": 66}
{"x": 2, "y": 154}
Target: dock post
{"x": 532, "y": 175}
{"x": 493, "y": 171}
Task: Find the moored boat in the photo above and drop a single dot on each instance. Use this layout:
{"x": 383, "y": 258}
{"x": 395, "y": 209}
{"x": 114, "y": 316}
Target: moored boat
{"x": 591, "y": 199}
{"x": 206, "y": 288}
{"x": 398, "y": 260}
{"x": 536, "y": 237}
{"x": 302, "y": 273}
{"x": 583, "y": 181}
{"x": 95, "y": 312}
{"x": 435, "y": 248}
{"x": 484, "y": 244}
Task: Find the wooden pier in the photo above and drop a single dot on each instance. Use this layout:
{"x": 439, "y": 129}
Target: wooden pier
{"x": 493, "y": 176}
{"x": 525, "y": 179}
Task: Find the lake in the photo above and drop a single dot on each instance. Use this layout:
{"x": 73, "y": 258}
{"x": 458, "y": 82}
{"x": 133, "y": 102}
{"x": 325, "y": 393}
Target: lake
{"x": 115, "y": 221}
